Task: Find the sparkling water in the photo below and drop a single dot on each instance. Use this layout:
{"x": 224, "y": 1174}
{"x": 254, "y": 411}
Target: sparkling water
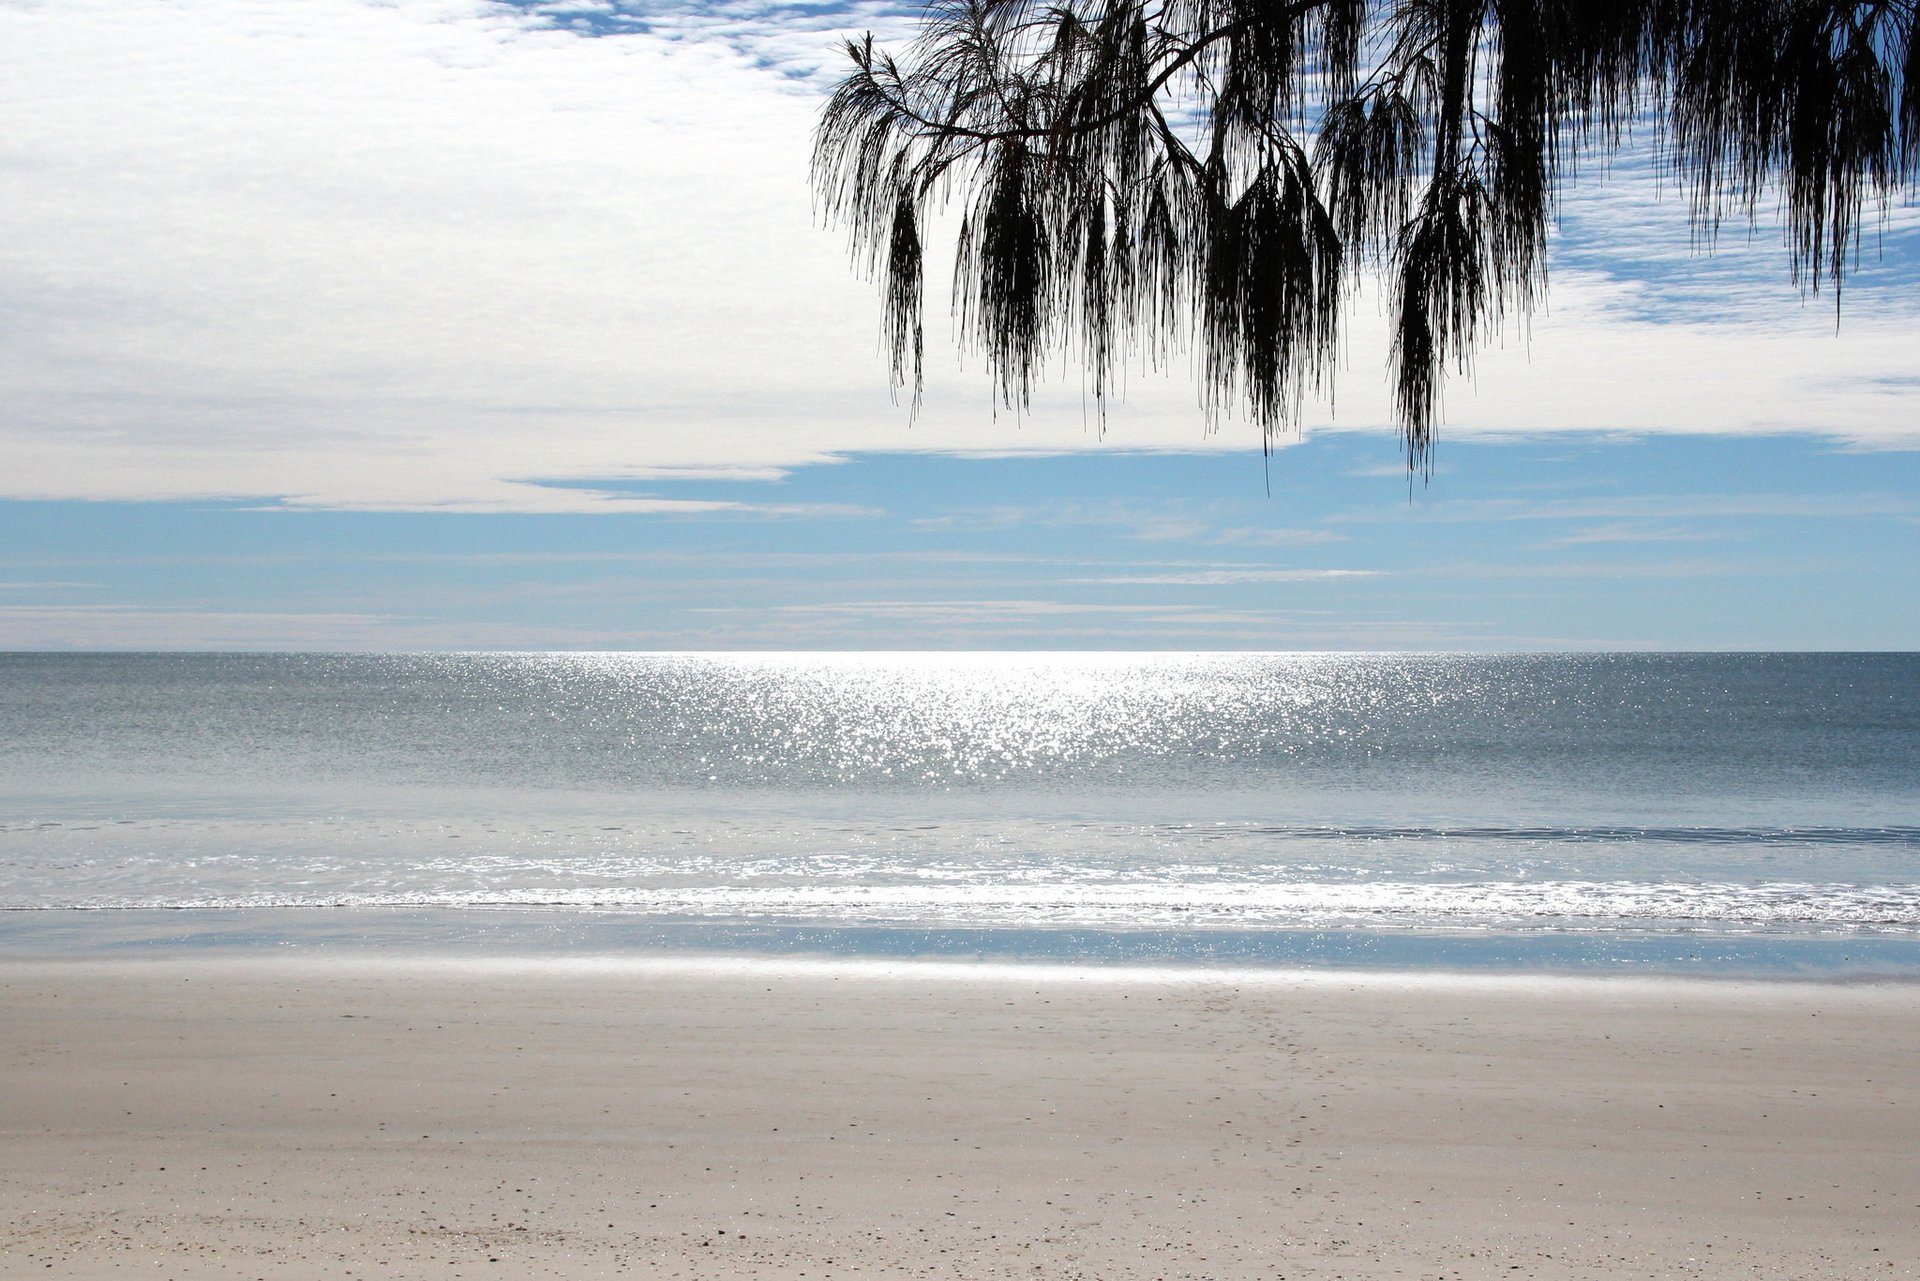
{"x": 1240, "y": 805}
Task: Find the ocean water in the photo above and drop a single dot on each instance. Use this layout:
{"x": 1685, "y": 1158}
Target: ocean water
{"x": 1677, "y": 812}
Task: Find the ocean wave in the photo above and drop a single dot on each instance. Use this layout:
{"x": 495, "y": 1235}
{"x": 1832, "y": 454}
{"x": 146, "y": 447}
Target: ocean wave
{"x": 1600, "y": 834}
{"x": 1570, "y": 905}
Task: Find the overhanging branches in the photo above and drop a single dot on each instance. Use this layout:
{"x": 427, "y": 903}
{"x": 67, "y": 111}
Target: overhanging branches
{"x": 1130, "y": 175}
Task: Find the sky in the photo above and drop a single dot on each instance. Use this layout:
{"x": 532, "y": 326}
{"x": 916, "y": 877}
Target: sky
{"x": 440, "y": 324}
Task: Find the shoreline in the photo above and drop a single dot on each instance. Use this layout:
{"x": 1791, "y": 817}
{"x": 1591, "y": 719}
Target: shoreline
{"x": 455, "y": 965}
{"x": 296, "y": 1115}
{"x": 33, "y": 933}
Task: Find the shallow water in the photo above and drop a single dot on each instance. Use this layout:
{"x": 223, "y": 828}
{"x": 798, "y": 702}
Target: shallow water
{"x": 1051, "y": 804}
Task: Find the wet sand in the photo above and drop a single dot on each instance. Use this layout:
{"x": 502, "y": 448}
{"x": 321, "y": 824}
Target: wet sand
{"x": 267, "y": 1116}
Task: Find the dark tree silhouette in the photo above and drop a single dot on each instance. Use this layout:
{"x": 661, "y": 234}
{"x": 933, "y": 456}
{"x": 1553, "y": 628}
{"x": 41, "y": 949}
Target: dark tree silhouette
{"x": 1137, "y": 176}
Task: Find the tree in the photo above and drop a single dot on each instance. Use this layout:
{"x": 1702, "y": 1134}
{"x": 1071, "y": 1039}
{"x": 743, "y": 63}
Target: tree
{"x": 1133, "y": 176}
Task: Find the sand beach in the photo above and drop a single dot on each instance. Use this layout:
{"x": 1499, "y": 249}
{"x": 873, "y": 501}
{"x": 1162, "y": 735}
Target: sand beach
{"x": 277, "y": 1116}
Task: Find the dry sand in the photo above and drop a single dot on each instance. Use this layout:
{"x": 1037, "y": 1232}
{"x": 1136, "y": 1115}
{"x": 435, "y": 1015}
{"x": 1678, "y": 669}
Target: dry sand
{"x": 298, "y": 1118}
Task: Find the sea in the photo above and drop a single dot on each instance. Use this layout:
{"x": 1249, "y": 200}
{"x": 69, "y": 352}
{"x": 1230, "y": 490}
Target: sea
{"x": 1704, "y": 814}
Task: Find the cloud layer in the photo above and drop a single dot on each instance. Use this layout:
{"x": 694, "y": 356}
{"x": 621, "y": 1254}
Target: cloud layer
{"x": 446, "y": 255}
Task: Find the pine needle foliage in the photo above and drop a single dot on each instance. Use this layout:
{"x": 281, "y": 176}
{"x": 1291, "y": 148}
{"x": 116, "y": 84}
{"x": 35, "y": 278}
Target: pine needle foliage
{"x": 1137, "y": 177}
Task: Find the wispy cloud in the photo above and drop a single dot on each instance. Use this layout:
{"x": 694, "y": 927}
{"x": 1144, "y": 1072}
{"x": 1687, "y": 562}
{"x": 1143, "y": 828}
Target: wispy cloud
{"x": 1675, "y": 507}
{"x": 1688, "y": 567}
{"x": 1167, "y": 521}
{"x": 508, "y": 496}
{"x": 123, "y": 627}
{"x": 1233, "y": 575}
{"x": 1256, "y": 537}
{"x": 1049, "y": 624}
{"x": 135, "y": 627}
{"x": 973, "y": 610}
{"x": 1630, "y": 533}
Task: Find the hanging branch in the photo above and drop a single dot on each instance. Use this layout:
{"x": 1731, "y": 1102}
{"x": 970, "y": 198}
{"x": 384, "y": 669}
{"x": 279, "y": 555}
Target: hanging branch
{"x": 1133, "y": 176}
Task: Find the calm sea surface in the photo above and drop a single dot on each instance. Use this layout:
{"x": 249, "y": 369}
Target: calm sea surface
{"x": 1731, "y": 811}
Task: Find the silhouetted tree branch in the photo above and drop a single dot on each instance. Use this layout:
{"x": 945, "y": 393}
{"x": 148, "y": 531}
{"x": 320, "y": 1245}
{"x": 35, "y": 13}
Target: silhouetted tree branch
{"x": 1139, "y": 175}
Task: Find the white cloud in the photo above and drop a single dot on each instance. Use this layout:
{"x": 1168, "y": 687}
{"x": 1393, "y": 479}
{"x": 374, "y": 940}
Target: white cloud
{"x": 430, "y": 254}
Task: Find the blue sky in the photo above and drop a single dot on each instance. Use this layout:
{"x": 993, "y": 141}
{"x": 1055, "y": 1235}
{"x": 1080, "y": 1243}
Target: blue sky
{"x": 445, "y": 324}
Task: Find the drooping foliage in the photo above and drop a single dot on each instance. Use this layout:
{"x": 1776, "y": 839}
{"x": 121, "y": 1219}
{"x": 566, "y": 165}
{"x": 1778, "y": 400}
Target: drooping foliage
{"x": 1140, "y": 176}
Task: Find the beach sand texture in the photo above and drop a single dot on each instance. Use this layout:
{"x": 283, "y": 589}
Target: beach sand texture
{"x": 282, "y": 1117}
